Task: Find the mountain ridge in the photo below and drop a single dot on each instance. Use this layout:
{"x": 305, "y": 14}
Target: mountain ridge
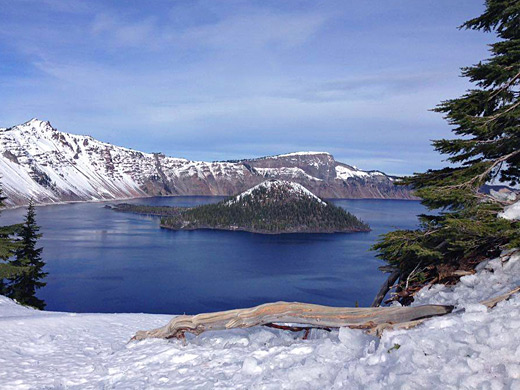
{"x": 39, "y": 162}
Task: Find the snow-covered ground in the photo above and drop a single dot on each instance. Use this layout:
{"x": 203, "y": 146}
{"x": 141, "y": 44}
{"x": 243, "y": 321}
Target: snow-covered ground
{"x": 475, "y": 348}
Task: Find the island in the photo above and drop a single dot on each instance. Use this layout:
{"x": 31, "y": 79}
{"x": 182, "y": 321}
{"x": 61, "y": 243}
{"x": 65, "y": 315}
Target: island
{"x": 271, "y": 207}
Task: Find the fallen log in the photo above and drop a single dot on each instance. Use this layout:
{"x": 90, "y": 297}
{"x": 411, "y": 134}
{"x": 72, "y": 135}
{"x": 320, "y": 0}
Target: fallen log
{"x": 293, "y": 313}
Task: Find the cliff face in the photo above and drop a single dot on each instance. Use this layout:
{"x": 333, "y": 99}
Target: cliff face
{"x": 328, "y": 178}
{"x": 37, "y": 161}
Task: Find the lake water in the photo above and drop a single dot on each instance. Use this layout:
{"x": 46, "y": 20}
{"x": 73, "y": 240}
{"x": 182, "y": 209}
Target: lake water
{"x": 100, "y": 260}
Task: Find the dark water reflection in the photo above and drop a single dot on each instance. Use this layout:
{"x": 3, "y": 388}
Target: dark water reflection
{"x": 103, "y": 261}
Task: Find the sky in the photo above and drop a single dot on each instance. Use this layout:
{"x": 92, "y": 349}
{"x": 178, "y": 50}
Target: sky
{"x": 216, "y": 80}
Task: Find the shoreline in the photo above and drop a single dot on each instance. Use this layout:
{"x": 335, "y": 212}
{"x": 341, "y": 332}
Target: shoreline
{"x": 246, "y": 230}
{"x": 65, "y": 202}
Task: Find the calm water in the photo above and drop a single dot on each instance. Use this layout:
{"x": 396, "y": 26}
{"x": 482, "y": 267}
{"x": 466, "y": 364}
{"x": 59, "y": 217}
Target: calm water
{"x": 99, "y": 260}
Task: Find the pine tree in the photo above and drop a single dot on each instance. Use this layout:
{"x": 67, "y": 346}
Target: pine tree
{"x": 8, "y": 245}
{"x": 23, "y": 287}
{"x": 486, "y": 120}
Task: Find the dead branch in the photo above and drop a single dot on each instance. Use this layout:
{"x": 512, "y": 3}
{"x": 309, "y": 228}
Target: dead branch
{"x": 306, "y": 329}
{"x": 411, "y": 274}
{"x": 378, "y": 330}
{"x": 491, "y": 303}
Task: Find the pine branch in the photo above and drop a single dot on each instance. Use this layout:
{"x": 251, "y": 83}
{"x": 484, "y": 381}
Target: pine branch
{"x": 483, "y": 176}
{"x": 499, "y": 114}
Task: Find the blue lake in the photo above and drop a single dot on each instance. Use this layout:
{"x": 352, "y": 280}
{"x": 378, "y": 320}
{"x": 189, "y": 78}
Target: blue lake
{"x": 100, "y": 260}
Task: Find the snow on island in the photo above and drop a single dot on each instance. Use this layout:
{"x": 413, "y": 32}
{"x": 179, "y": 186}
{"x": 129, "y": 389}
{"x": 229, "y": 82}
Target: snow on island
{"x": 472, "y": 348}
{"x": 293, "y": 188}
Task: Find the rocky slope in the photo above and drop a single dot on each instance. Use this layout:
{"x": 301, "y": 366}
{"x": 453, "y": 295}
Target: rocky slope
{"x": 271, "y": 207}
{"x": 38, "y": 161}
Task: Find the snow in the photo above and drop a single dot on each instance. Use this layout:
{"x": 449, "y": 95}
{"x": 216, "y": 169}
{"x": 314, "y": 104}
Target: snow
{"x": 472, "y": 348}
{"x": 503, "y": 195}
{"x": 294, "y": 154}
{"x": 344, "y": 172}
{"x": 292, "y": 187}
{"x": 287, "y": 173}
{"x": 495, "y": 277}
{"x": 511, "y": 212}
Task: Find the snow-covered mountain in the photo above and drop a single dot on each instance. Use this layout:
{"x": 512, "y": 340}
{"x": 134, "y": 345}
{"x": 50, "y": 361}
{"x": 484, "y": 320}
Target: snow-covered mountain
{"x": 37, "y": 161}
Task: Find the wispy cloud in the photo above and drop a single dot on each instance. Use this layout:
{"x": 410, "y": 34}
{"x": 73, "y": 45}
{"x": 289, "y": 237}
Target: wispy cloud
{"x": 253, "y": 29}
{"x": 142, "y": 33}
{"x": 256, "y": 29}
{"x": 218, "y": 80}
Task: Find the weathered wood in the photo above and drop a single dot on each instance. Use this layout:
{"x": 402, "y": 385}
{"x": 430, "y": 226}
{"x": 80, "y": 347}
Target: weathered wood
{"x": 491, "y": 303}
{"x": 387, "y": 285}
{"x": 374, "y": 319}
{"x": 378, "y": 330}
{"x": 293, "y": 313}
{"x": 460, "y": 273}
{"x": 295, "y": 328}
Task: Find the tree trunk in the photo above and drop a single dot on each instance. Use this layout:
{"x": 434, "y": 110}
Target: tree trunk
{"x": 387, "y": 285}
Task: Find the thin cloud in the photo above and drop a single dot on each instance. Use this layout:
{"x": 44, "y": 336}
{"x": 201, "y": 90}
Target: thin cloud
{"x": 209, "y": 80}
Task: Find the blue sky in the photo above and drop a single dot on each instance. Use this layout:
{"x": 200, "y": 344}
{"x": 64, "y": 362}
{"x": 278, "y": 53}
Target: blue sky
{"x": 215, "y": 80}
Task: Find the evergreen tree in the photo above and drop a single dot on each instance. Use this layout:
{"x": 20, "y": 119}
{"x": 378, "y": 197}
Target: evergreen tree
{"x": 8, "y": 245}
{"x": 23, "y": 286}
{"x": 486, "y": 120}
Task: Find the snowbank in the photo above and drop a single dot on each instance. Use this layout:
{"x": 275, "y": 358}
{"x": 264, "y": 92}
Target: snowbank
{"x": 511, "y": 212}
{"x": 475, "y": 348}
{"x": 494, "y": 277}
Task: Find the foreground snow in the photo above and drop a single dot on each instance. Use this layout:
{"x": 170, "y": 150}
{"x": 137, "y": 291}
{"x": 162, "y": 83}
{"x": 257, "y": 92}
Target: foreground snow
{"x": 475, "y": 348}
